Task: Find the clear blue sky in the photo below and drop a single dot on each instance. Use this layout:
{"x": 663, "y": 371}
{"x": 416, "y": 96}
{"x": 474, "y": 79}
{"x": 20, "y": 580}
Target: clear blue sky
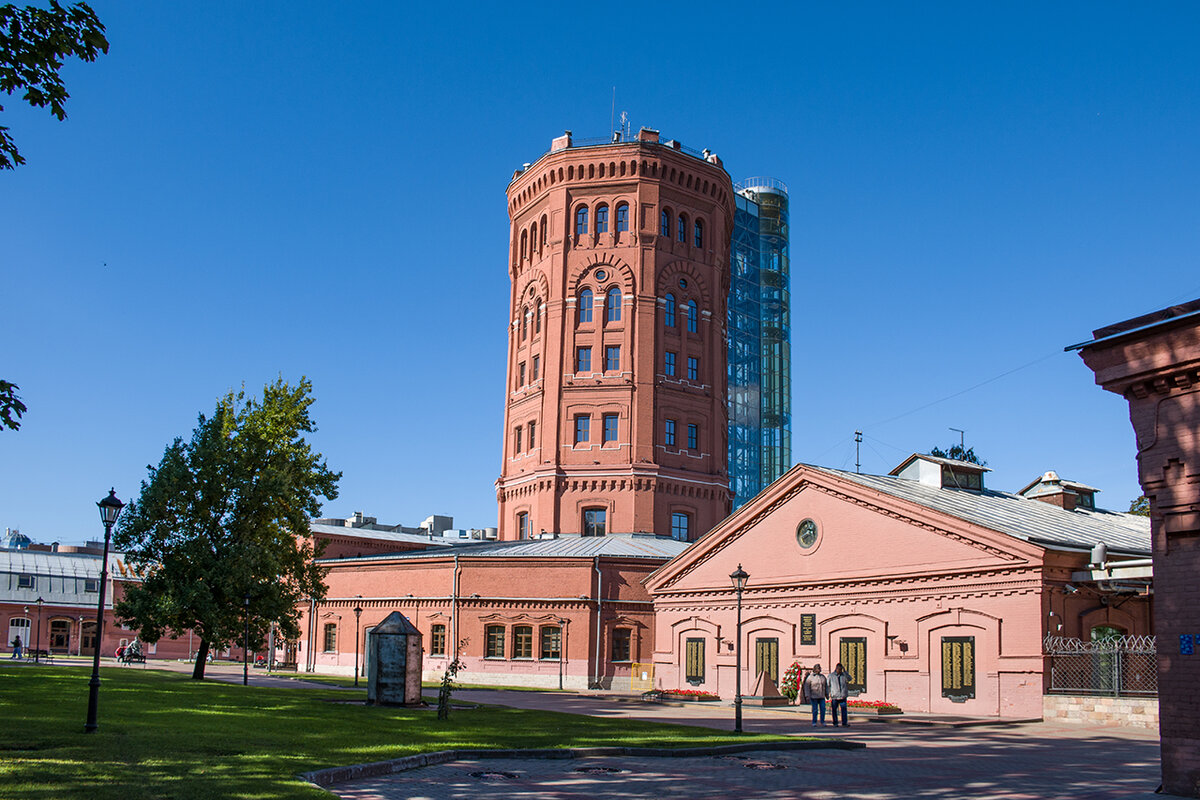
{"x": 245, "y": 190}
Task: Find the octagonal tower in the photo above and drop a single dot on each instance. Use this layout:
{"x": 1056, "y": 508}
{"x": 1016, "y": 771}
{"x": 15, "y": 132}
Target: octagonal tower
{"x": 616, "y": 414}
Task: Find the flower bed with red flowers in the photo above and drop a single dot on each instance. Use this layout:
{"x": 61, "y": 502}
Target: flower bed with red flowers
{"x": 878, "y": 706}
{"x": 689, "y": 695}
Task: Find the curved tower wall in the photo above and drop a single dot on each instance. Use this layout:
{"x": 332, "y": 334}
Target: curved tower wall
{"x": 628, "y": 411}
{"x": 760, "y": 418}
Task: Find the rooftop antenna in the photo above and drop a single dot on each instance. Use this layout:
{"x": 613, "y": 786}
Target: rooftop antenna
{"x": 625, "y": 125}
{"x": 612, "y": 116}
{"x": 962, "y": 441}
{"x": 857, "y": 442}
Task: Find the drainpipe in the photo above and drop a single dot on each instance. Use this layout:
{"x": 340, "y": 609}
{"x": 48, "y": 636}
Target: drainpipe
{"x": 599, "y": 607}
{"x": 309, "y": 661}
{"x": 454, "y": 607}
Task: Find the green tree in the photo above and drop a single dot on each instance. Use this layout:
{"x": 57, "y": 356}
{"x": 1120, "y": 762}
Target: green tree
{"x": 225, "y": 516}
{"x": 33, "y": 44}
{"x": 956, "y": 452}
{"x": 1140, "y": 505}
{"x": 11, "y": 407}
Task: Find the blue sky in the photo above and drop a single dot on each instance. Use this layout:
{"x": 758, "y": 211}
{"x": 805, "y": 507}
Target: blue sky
{"x": 249, "y": 190}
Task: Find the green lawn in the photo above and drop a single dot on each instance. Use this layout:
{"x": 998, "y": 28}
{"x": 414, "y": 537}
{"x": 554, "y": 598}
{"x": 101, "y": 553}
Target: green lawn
{"x": 163, "y": 735}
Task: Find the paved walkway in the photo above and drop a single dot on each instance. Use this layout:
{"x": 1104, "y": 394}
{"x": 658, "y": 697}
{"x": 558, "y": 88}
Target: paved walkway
{"x": 1023, "y": 761}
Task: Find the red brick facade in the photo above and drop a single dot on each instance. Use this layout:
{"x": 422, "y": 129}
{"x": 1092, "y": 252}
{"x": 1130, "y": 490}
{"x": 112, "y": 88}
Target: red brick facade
{"x": 1154, "y": 363}
{"x": 616, "y": 397}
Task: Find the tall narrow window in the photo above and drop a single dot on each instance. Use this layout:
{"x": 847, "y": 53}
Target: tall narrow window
{"x": 693, "y": 368}
{"x": 612, "y": 359}
{"x": 693, "y": 316}
{"x": 532, "y": 431}
{"x": 581, "y": 221}
{"x": 524, "y": 242}
{"x": 495, "y": 641}
{"x": 669, "y": 433}
{"x": 585, "y": 305}
{"x": 583, "y": 425}
{"x": 682, "y": 228}
{"x": 622, "y": 640}
{"x": 542, "y": 241}
{"x": 437, "y": 640}
{"x": 693, "y": 658}
{"x": 523, "y": 525}
{"x": 610, "y": 428}
{"x": 330, "y": 639}
{"x": 669, "y": 365}
{"x": 524, "y": 318}
{"x": 537, "y": 365}
{"x": 517, "y": 439}
{"x": 693, "y": 437}
{"x": 520, "y": 374}
{"x": 537, "y": 317}
{"x": 602, "y": 219}
{"x": 680, "y": 526}
{"x": 583, "y": 359}
{"x": 698, "y": 229}
{"x": 669, "y": 311}
{"x": 533, "y": 240}
{"x": 551, "y": 643}
{"x": 522, "y": 641}
{"x": 664, "y": 223}
{"x": 595, "y": 521}
{"x": 612, "y": 305}
{"x": 622, "y": 217}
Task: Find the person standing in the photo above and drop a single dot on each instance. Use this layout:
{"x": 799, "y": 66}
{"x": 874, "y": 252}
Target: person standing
{"x": 839, "y": 689}
{"x": 16, "y": 646}
{"x": 816, "y": 689}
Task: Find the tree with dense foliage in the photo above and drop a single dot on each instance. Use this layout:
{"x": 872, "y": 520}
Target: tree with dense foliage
{"x": 1140, "y": 505}
{"x": 33, "y": 44}
{"x": 956, "y": 452}
{"x": 11, "y": 407}
{"x": 225, "y": 516}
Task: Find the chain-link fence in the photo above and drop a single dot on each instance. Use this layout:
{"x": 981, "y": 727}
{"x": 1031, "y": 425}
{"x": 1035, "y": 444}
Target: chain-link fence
{"x": 1124, "y": 665}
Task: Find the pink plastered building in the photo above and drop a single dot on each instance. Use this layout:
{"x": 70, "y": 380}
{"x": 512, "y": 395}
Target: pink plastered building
{"x": 936, "y": 598}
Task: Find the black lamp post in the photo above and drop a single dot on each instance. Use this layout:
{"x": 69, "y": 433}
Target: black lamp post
{"x": 246, "y": 642}
{"x": 357, "y": 615}
{"x": 739, "y": 578}
{"x": 562, "y": 650}
{"x": 110, "y": 508}
{"x": 38, "y": 641}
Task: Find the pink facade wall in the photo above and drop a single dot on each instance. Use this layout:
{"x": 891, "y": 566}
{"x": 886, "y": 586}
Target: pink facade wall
{"x": 639, "y": 479}
{"x": 897, "y": 575}
{"x": 504, "y": 592}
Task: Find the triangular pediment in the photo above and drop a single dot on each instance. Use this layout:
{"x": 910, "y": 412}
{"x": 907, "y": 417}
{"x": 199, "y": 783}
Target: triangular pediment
{"x": 812, "y": 526}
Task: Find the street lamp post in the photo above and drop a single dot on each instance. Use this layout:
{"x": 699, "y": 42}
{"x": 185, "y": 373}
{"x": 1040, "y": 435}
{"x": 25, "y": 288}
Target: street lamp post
{"x": 739, "y": 578}
{"x": 246, "y": 642}
{"x": 562, "y": 650}
{"x": 110, "y": 508}
{"x": 38, "y": 641}
{"x": 357, "y": 615}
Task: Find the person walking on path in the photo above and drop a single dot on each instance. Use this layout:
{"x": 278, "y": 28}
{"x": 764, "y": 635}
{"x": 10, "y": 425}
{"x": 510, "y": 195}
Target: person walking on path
{"x": 16, "y": 646}
{"x": 816, "y": 689}
{"x": 839, "y": 689}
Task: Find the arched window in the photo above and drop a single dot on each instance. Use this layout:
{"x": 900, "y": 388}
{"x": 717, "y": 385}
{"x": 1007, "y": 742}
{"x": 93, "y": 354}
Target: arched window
{"x": 693, "y": 316}
{"x": 524, "y": 316}
{"x": 542, "y": 240}
{"x": 601, "y": 219}
{"x": 622, "y": 217}
{"x": 612, "y": 306}
{"x": 682, "y": 228}
{"x": 581, "y": 221}
{"x": 523, "y": 525}
{"x": 532, "y": 240}
{"x": 585, "y": 305}
{"x": 669, "y": 311}
{"x": 699, "y": 232}
{"x": 664, "y": 223}
{"x": 524, "y": 242}
{"x": 537, "y": 317}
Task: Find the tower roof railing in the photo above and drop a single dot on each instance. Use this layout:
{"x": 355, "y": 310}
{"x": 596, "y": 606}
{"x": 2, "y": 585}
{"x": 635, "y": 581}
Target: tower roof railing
{"x": 632, "y": 138}
{"x": 761, "y": 183}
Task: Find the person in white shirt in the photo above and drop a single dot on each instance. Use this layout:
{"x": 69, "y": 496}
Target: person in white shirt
{"x": 816, "y": 689}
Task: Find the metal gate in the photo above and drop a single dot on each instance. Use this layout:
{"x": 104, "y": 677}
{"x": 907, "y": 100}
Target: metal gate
{"x": 1120, "y": 666}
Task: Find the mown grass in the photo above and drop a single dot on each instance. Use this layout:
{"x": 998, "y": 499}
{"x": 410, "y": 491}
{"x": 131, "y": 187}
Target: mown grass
{"x": 163, "y": 735}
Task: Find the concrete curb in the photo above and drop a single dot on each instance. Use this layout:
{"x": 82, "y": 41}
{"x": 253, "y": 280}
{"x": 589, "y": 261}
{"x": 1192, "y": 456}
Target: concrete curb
{"x": 328, "y": 777}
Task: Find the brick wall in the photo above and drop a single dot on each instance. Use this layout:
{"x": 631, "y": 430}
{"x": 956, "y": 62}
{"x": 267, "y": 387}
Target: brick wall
{"x": 1129, "y": 712}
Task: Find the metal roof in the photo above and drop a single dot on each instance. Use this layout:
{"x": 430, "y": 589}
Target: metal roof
{"x": 616, "y": 545}
{"x": 969, "y": 466}
{"x": 1017, "y": 516}
{"x": 384, "y": 536}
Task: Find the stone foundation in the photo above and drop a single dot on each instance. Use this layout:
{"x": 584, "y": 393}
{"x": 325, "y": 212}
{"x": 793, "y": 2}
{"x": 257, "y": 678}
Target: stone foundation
{"x": 1129, "y": 712}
